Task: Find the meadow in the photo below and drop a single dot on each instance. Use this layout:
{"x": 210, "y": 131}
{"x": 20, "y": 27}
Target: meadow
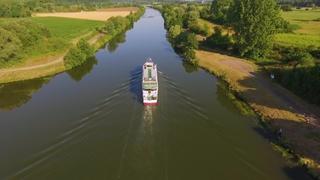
{"x": 67, "y": 28}
{"x": 307, "y": 28}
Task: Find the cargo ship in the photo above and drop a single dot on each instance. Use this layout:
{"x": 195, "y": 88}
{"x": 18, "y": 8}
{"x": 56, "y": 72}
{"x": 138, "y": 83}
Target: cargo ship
{"x": 150, "y": 83}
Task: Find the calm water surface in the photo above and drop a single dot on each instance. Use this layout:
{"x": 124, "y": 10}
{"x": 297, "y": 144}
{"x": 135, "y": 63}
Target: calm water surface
{"x": 89, "y": 123}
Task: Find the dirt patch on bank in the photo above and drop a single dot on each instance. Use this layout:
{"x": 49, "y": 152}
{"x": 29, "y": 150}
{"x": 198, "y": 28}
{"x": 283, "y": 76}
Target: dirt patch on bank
{"x": 299, "y": 120}
{"x": 99, "y": 15}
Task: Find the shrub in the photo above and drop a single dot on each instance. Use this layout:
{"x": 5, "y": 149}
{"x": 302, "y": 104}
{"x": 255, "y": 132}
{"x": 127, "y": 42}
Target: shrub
{"x": 218, "y": 40}
{"x": 299, "y": 57}
{"x": 78, "y": 55}
{"x": 303, "y": 81}
{"x": 10, "y": 46}
{"x": 200, "y": 28}
{"x": 174, "y": 31}
{"x": 27, "y": 31}
{"x": 286, "y": 7}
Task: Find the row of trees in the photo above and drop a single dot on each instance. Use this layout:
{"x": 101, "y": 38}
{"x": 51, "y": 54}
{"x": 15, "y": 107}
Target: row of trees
{"x": 182, "y": 23}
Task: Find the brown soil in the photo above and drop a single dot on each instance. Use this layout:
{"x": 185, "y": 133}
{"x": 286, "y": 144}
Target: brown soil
{"x": 299, "y": 120}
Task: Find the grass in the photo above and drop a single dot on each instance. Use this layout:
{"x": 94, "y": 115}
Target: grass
{"x": 63, "y": 30}
{"x": 307, "y": 32}
{"x": 297, "y": 40}
{"x": 67, "y": 28}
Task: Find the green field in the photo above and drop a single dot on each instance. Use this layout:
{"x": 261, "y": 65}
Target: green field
{"x": 308, "y": 31}
{"x": 67, "y": 28}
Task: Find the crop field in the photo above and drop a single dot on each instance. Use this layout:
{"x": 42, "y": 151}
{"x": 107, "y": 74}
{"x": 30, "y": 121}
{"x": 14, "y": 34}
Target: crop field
{"x": 100, "y": 15}
{"x": 67, "y": 28}
{"x": 308, "y": 28}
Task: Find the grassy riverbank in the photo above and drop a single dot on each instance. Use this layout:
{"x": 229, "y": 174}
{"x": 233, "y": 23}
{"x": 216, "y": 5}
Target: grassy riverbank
{"x": 44, "y": 61}
{"x": 278, "y": 107}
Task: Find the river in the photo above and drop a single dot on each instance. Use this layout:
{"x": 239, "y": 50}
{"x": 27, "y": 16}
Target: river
{"x": 90, "y": 123}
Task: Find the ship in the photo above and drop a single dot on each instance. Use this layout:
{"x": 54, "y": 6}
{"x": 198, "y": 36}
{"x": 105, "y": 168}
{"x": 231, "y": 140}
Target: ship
{"x": 149, "y": 83}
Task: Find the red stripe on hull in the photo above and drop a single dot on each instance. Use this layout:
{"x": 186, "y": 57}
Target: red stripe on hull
{"x": 150, "y": 104}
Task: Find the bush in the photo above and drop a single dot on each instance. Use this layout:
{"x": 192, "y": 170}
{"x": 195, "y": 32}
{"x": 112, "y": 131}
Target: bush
{"x": 303, "y": 81}
{"x": 297, "y": 57}
{"x": 10, "y": 46}
{"x": 200, "y": 28}
{"x": 218, "y": 40}
{"x": 174, "y": 31}
{"x": 286, "y": 7}
{"x": 78, "y": 55}
{"x": 27, "y": 31}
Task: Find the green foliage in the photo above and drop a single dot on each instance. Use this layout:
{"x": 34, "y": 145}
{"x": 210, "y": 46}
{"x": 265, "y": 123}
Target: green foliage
{"x": 199, "y": 27}
{"x": 28, "y": 32}
{"x": 218, "y": 40}
{"x": 299, "y": 57}
{"x": 255, "y": 23}
{"x": 10, "y": 46}
{"x": 173, "y": 15}
{"x": 220, "y": 10}
{"x": 186, "y": 43}
{"x": 20, "y": 37}
{"x": 174, "y": 31}
{"x": 303, "y": 81}
{"x": 14, "y": 8}
{"x": 190, "y": 18}
{"x": 115, "y": 25}
{"x": 286, "y": 7}
{"x": 78, "y": 55}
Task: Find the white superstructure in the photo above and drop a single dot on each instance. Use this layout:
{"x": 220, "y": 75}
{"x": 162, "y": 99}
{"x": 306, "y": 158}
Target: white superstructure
{"x": 150, "y": 83}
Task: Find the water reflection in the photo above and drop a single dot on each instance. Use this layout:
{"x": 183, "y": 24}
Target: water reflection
{"x": 189, "y": 68}
{"x": 79, "y": 72}
{"x": 14, "y": 95}
{"x": 114, "y": 42}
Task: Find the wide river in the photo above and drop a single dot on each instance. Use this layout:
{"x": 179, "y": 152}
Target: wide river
{"x": 89, "y": 123}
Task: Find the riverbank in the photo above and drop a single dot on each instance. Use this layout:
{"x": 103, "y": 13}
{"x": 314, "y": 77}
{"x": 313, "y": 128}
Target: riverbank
{"x": 278, "y": 107}
{"x": 54, "y": 64}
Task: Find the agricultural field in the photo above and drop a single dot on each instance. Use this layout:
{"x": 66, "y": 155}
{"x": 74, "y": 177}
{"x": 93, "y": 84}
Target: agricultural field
{"x": 100, "y": 15}
{"x": 307, "y": 28}
{"x": 67, "y": 28}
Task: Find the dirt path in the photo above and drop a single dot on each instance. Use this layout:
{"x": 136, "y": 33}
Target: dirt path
{"x": 299, "y": 120}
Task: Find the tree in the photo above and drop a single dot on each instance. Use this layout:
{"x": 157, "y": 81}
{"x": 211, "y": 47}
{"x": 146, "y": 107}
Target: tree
{"x": 190, "y": 18}
{"x": 255, "y": 23}
{"x": 10, "y": 46}
{"x": 174, "y": 31}
{"x": 218, "y": 40}
{"x": 220, "y": 10}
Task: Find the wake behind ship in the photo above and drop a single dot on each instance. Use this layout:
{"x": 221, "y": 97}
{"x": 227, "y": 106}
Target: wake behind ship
{"x": 150, "y": 83}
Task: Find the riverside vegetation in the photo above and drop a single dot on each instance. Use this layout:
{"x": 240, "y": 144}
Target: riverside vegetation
{"x": 234, "y": 31}
{"x": 115, "y": 25}
{"x": 28, "y": 42}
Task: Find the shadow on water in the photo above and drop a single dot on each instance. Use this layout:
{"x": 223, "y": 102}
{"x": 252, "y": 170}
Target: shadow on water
{"x": 136, "y": 84}
{"x": 16, "y": 94}
{"x": 189, "y": 68}
{"x": 79, "y": 72}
